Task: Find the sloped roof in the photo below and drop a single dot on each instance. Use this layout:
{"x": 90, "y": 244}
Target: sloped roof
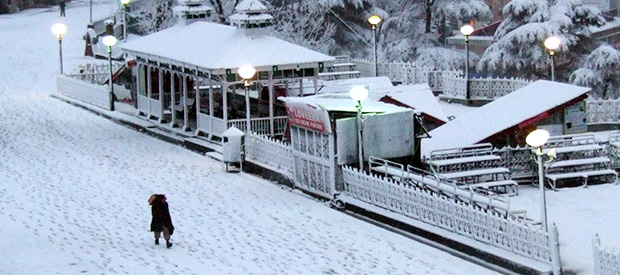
{"x": 218, "y": 47}
{"x": 344, "y": 103}
{"x": 419, "y": 97}
{"x": 506, "y": 112}
{"x": 251, "y": 6}
{"x": 375, "y": 85}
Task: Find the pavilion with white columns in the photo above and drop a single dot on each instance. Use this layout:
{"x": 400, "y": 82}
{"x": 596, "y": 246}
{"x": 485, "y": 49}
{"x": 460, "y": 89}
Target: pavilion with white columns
{"x": 187, "y": 74}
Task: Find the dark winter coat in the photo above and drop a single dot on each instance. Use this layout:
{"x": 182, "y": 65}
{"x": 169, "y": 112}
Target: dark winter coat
{"x": 161, "y": 216}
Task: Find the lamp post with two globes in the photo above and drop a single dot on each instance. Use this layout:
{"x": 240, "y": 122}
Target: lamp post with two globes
{"x": 537, "y": 139}
{"x": 247, "y": 72}
{"x": 110, "y": 41}
{"x": 359, "y": 93}
{"x": 59, "y": 29}
{"x": 374, "y": 21}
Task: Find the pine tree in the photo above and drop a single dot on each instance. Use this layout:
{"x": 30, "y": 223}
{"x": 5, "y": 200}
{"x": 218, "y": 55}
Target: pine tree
{"x": 601, "y": 72}
{"x": 519, "y": 49}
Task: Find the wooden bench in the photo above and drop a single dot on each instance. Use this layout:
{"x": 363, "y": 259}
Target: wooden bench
{"x": 607, "y": 176}
{"x": 475, "y": 174}
{"x": 475, "y": 167}
{"x": 509, "y": 187}
{"x": 579, "y": 159}
{"x": 465, "y": 163}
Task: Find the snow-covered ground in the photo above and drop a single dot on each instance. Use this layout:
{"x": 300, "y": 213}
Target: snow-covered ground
{"x": 73, "y": 190}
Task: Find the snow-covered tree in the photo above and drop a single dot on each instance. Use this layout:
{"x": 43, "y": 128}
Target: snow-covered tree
{"x": 443, "y": 58}
{"x": 153, "y": 16}
{"x": 457, "y": 10}
{"x": 305, "y": 23}
{"x": 222, "y": 9}
{"x": 519, "y": 49}
{"x": 399, "y": 35}
{"x": 601, "y": 72}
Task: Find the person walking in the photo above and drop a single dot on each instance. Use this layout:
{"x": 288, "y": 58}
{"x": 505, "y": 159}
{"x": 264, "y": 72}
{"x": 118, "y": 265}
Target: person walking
{"x": 161, "y": 221}
{"x": 62, "y": 8}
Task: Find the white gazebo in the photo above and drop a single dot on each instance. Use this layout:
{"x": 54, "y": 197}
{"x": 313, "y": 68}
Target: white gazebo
{"x": 190, "y": 70}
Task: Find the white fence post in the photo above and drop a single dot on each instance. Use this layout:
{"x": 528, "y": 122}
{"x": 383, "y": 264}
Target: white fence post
{"x": 556, "y": 262}
{"x": 596, "y": 244}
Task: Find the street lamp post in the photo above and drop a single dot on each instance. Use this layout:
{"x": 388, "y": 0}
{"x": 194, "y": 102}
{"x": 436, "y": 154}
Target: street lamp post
{"x": 110, "y": 41}
{"x": 359, "y": 93}
{"x": 467, "y": 30}
{"x": 537, "y": 139}
{"x": 247, "y": 72}
{"x": 374, "y": 21}
{"x": 59, "y": 29}
{"x": 91, "y": 11}
{"x": 124, "y": 3}
{"x": 552, "y": 44}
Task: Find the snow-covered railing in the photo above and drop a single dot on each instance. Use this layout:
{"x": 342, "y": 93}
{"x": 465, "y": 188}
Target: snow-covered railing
{"x": 518, "y": 160}
{"x": 261, "y": 125}
{"x": 602, "y": 111}
{"x": 73, "y": 87}
{"x": 404, "y": 202}
{"x": 405, "y": 73}
{"x": 96, "y": 73}
{"x": 451, "y": 83}
{"x": 99, "y": 26}
{"x": 606, "y": 260}
{"x": 271, "y": 152}
{"x": 455, "y": 87}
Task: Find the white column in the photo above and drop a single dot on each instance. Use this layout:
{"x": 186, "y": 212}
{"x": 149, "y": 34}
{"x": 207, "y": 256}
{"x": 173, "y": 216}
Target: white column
{"x": 271, "y": 123}
{"x": 225, "y": 103}
{"x": 161, "y": 95}
{"x": 197, "y": 90}
{"x": 315, "y": 80}
{"x": 149, "y": 92}
{"x": 173, "y": 94}
{"x": 185, "y": 109}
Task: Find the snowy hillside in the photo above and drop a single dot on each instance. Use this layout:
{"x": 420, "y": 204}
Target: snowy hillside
{"x": 73, "y": 190}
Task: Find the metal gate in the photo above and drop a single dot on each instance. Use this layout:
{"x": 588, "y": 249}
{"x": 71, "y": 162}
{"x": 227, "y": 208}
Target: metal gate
{"x": 313, "y": 154}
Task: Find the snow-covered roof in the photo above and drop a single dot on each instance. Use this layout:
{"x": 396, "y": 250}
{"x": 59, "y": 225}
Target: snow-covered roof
{"x": 375, "y": 85}
{"x": 419, "y": 97}
{"x": 251, "y": 6}
{"x": 344, "y": 103}
{"x": 251, "y": 17}
{"x": 201, "y": 8}
{"x": 501, "y": 114}
{"x": 218, "y": 47}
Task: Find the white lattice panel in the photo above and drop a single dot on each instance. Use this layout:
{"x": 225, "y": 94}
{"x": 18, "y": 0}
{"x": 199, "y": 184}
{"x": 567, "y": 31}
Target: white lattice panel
{"x": 466, "y": 220}
{"x": 271, "y": 152}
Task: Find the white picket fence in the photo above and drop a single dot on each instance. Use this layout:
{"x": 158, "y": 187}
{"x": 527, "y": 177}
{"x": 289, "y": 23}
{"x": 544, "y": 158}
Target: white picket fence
{"x": 606, "y": 260}
{"x": 513, "y": 235}
{"x": 270, "y": 152}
